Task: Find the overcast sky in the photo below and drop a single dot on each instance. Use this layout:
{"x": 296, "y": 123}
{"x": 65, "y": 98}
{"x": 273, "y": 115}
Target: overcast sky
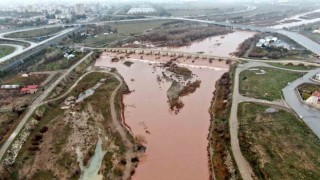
{"x": 27, "y": 2}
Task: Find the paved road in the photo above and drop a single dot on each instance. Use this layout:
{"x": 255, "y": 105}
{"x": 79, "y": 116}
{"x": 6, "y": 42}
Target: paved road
{"x": 310, "y": 116}
{"x": 38, "y": 102}
{"x": 18, "y": 49}
{"x": 34, "y": 45}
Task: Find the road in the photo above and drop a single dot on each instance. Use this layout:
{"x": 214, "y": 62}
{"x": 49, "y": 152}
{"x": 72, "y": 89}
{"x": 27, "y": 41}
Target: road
{"x": 300, "y": 39}
{"x": 38, "y": 102}
{"x": 35, "y": 45}
{"x": 115, "y": 120}
{"x": 310, "y": 116}
{"x": 121, "y": 130}
{"x": 18, "y": 49}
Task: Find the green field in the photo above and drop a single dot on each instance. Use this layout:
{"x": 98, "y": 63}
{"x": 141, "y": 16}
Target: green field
{"x": 138, "y": 27}
{"x": 200, "y": 8}
{"x": 266, "y": 86}
{"x": 278, "y": 145}
{"x": 35, "y": 33}
{"x": 123, "y": 31}
{"x": 5, "y": 50}
{"x": 293, "y": 67}
{"x": 101, "y": 40}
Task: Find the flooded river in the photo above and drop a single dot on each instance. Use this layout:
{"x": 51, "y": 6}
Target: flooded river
{"x": 176, "y": 143}
{"x": 217, "y": 45}
{"x": 298, "y": 19}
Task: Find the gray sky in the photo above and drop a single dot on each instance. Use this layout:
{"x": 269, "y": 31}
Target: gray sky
{"x": 4, "y": 3}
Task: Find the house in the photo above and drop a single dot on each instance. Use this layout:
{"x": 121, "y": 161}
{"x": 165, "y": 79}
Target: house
{"x": 24, "y": 90}
{"x": 317, "y": 76}
{"x": 314, "y": 99}
{"x": 262, "y": 40}
{"x": 268, "y": 38}
{"x": 274, "y": 39}
{"x": 9, "y": 86}
{"x": 70, "y": 56}
{"x": 259, "y": 44}
{"x": 25, "y": 75}
{"x": 31, "y": 89}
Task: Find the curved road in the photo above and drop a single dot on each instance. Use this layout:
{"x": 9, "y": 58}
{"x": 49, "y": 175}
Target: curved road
{"x": 115, "y": 120}
{"x": 243, "y": 166}
{"x": 38, "y": 102}
{"x": 18, "y": 49}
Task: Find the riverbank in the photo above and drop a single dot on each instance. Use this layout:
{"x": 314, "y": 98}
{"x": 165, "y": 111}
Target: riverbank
{"x": 221, "y": 162}
{"x": 149, "y": 116}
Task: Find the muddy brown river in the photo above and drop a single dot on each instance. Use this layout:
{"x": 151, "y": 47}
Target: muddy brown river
{"x": 176, "y": 143}
{"x": 217, "y": 45}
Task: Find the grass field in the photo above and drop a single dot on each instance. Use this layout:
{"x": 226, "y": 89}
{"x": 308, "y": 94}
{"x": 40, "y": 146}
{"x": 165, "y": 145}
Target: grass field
{"x": 31, "y": 80}
{"x": 266, "y": 86}
{"x": 5, "y": 50}
{"x": 101, "y": 40}
{"x": 293, "y": 67}
{"x": 199, "y": 8}
{"x": 35, "y": 33}
{"x": 278, "y": 145}
{"x": 138, "y": 27}
{"x": 124, "y": 31}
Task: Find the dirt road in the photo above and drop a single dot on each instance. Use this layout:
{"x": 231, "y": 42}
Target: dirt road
{"x": 38, "y": 102}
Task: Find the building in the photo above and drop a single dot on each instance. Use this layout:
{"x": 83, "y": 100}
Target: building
{"x": 268, "y": 38}
{"x": 259, "y": 44}
{"x": 31, "y": 89}
{"x": 79, "y": 9}
{"x": 317, "y": 76}
{"x": 314, "y": 99}
{"x": 143, "y": 9}
{"x": 9, "y": 86}
{"x": 25, "y": 75}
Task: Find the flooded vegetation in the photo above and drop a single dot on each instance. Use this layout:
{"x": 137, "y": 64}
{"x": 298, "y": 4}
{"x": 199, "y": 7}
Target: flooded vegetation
{"x": 148, "y": 115}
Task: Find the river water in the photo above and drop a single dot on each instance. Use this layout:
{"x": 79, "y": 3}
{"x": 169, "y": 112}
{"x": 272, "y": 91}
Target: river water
{"x": 299, "y": 22}
{"x": 222, "y": 45}
{"x": 176, "y": 143}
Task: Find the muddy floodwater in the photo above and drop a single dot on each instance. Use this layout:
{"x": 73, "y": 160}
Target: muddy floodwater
{"x": 300, "y": 21}
{"x": 176, "y": 143}
{"x": 218, "y": 45}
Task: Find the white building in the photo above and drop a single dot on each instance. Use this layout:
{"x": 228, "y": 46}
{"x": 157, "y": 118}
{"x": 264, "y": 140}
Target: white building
{"x": 79, "y": 9}
{"x": 259, "y": 44}
{"x": 317, "y": 77}
{"x": 314, "y": 100}
{"x": 141, "y": 10}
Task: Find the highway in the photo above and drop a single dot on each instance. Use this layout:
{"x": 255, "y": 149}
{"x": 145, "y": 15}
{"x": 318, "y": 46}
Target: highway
{"x": 18, "y": 49}
{"x": 18, "y": 56}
